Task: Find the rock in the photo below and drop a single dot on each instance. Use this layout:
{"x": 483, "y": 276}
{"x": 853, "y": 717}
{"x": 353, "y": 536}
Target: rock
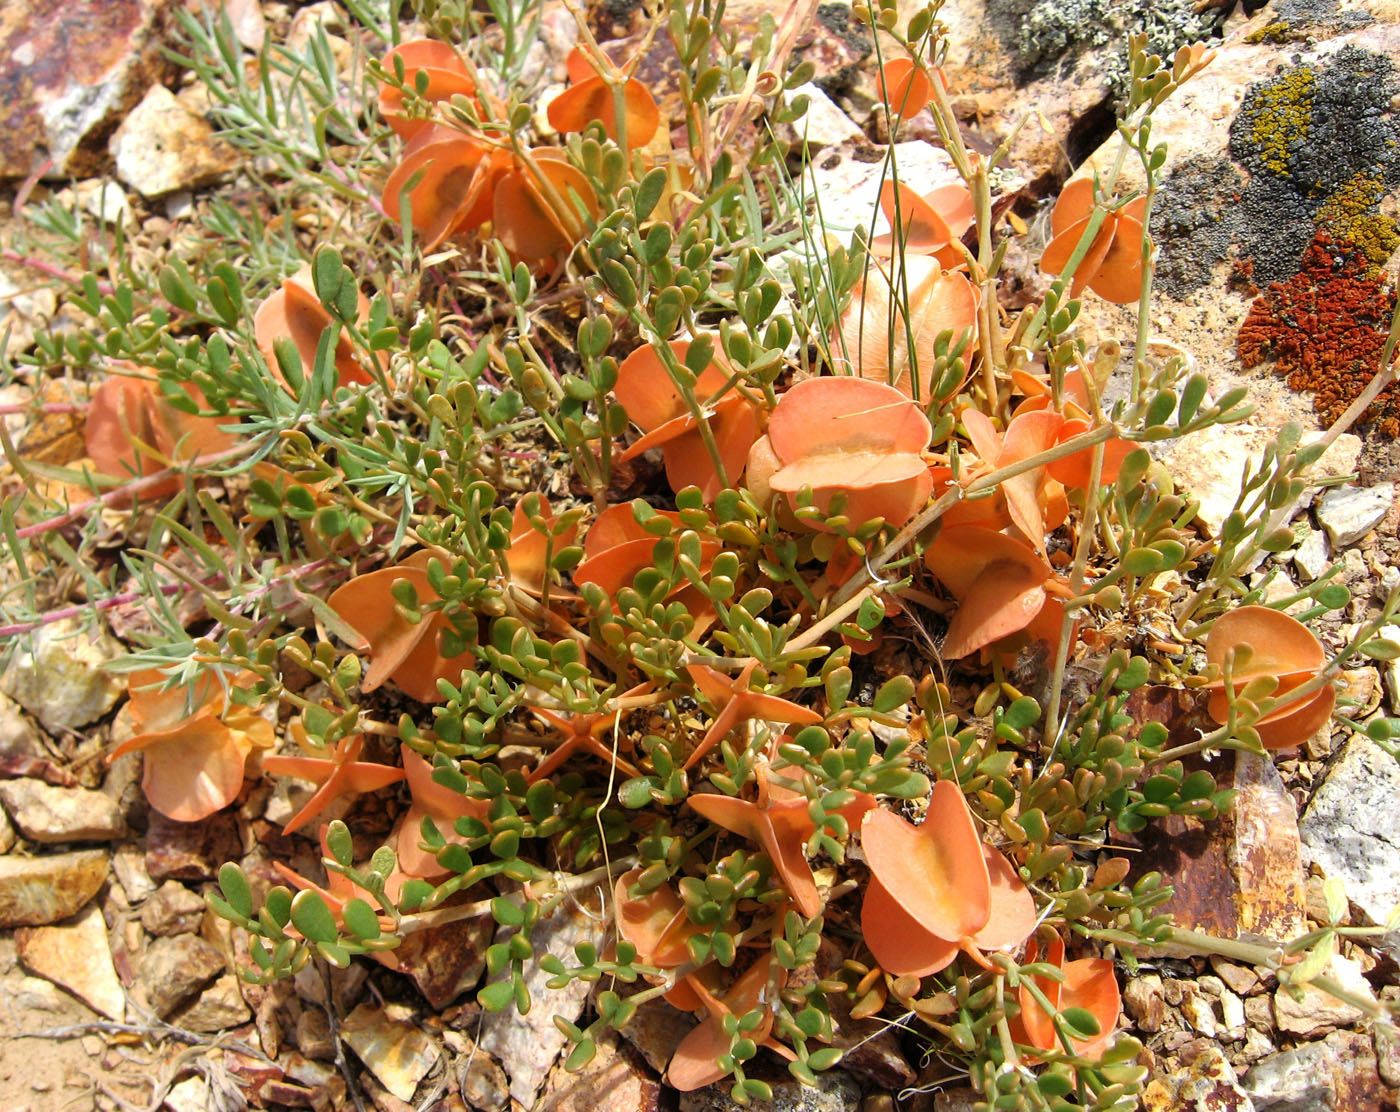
{"x": 162, "y": 146}
{"x": 1240, "y": 876}
{"x": 824, "y": 124}
{"x": 483, "y": 1082}
{"x": 129, "y": 863}
{"x": 526, "y": 1046}
{"x": 846, "y": 182}
{"x": 173, "y": 969}
{"x": 1349, "y": 513}
{"x": 18, "y": 737}
{"x": 1318, "y": 1011}
{"x": 1232, "y": 1018}
{"x": 1349, "y": 829}
{"x": 1338, "y": 1072}
{"x": 836, "y": 1091}
{"x": 7, "y": 833}
{"x": 189, "y": 1095}
{"x": 77, "y": 956}
{"x": 1207, "y": 1085}
{"x": 105, "y": 201}
{"x": 59, "y": 676}
{"x": 174, "y": 909}
{"x": 1313, "y": 556}
{"x": 1238, "y": 978}
{"x": 655, "y": 1030}
{"x": 39, "y": 890}
{"x": 313, "y": 1034}
{"x": 191, "y": 850}
{"x": 612, "y": 1082}
{"x": 217, "y": 1008}
{"x": 444, "y": 961}
{"x": 1200, "y": 1014}
{"x": 1144, "y": 1001}
{"x": 396, "y": 1052}
{"x": 47, "y": 814}
{"x": 72, "y": 68}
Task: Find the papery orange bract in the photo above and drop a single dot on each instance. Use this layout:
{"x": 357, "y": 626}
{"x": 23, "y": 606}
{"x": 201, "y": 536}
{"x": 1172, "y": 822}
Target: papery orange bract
{"x": 734, "y": 702}
{"x": 929, "y": 225}
{"x": 873, "y": 336}
{"x": 936, "y": 889}
{"x": 854, "y": 437}
{"x": 695, "y": 1062}
{"x": 653, "y": 402}
{"x": 617, "y": 547}
{"x": 1089, "y": 983}
{"x": 295, "y": 312}
{"x": 341, "y": 772}
{"x": 1281, "y": 647}
{"x": 906, "y": 88}
{"x": 196, "y": 743}
{"x": 1035, "y": 503}
{"x": 525, "y": 218}
{"x": 1112, "y": 268}
{"x": 447, "y": 77}
{"x": 132, "y": 431}
{"x": 590, "y": 99}
{"x": 456, "y": 187}
{"x": 1075, "y": 470}
{"x": 529, "y": 547}
{"x": 435, "y": 801}
{"x": 999, "y": 583}
{"x": 655, "y": 923}
{"x": 409, "y": 655}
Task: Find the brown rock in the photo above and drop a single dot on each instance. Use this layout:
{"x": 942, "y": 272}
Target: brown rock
{"x": 614, "y": 1081}
{"x": 1144, "y": 1000}
{"x": 1316, "y": 1012}
{"x": 1337, "y": 1072}
{"x": 190, "y": 850}
{"x": 39, "y": 890}
{"x": 174, "y": 969}
{"x": 313, "y": 1034}
{"x": 47, "y": 814}
{"x": 217, "y": 1008}
{"x": 655, "y": 1030}
{"x": 76, "y": 956}
{"x": 174, "y": 909}
{"x": 1208, "y": 1085}
{"x": 72, "y": 68}
{"x": 399, "y": 1054}
{"x": 162, "y": 146}
{"x": 444, "y": 961}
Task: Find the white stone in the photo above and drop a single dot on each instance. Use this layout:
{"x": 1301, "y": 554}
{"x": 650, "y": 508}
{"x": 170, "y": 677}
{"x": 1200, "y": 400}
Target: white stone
{"x": 1349, "y": 828}
{"x": 59, "y": 676}
{"x": 49, "y": 814}
{"x": 847, "y": 189}
{"x": 824, "y": 124}
{"x": 104, "y": 200}
{"x": 162, "y": 146}
{"x": 1313, "y": 556}
{"x": 1199, "y": 1013}
{"x": 189, "y": 1095}
{"x": 1349, "y": 513}
{"x": 1318, "y": 1011}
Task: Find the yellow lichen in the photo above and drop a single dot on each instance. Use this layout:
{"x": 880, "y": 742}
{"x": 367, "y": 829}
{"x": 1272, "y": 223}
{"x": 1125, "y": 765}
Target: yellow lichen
{"x": 1283, "y": 114}
{"x": 1350, "y": 214}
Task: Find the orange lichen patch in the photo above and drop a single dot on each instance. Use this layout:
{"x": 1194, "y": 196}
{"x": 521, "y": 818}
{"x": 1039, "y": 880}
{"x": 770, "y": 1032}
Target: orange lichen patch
{"x": 905, "y": 87}
{"x": 435, "y": 801}
{"x": 695, "y": 1063}
{"x": 1280, "y": 647}
{"x": 734, "y": 703}
{"x": 132, "y": 431}
{"x": 529, "y": 547}
{"x": 929, "y": 225}
{"x": 456, "y": 187}
{"x": 196, "y": 743}
{"x": 594, "y": 97}
{"x": 535, "y": 220}
{"x": 999, "y": 582}
{"x": 584, "y": 731}
{"x": 342, "y": 773}
{"x": 1112, "y": 268}
{"x": 936, "y": 889}
{"x": 1326, "y": 328}
{"x": 408, "y": 653}
{"x": 1089, "y": 983}
{"x": 655, "y": 923}
{"x": 294, "y": 312}
{"x": 854, "y": 437}
{"x": 653, "y": 402}
{"x": 779, "y": 821}
{"x": 447, "y": 77}
{"x": 873, "y": 336}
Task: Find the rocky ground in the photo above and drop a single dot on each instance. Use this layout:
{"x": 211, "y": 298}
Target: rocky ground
{"x": 116, "y": 985}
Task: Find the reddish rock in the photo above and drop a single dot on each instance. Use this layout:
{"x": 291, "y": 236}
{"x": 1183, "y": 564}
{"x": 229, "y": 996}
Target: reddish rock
{"x": 174, "y": 909}
{"x": 78, "y": 956}
{"x": 190, "y": 850}
{"x": 73, "y": 68}
{"x": 444, "y": 961}
{"x": 614, "y": 1081}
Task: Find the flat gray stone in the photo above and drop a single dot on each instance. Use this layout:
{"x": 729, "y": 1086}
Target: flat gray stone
{"x": 1313, "y": 556}
{"x": 1349, "y": 827}
{"x": 59, "y": 676}
{"x": 1349, "y": 513}
{"x": 162, "y": 147}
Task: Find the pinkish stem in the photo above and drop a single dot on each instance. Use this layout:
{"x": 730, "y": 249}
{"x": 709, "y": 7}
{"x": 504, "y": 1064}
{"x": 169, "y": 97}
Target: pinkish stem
{"x": 45, "y": 407}
{"x": 104, "y": 288}
{"x": 76, "y": 611}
